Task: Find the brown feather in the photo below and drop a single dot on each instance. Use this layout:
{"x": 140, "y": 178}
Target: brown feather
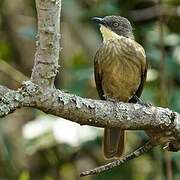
{"x": 113, "y": 142}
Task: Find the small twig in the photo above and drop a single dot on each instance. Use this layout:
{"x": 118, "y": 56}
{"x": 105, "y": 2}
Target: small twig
{"x": 141, "y": 150}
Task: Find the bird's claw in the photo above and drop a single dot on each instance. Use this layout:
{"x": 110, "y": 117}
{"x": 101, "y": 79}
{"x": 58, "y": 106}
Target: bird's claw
{"x": 143, "y": 103}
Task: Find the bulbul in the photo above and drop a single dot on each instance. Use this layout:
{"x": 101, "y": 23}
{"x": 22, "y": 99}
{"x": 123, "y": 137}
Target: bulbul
{"x": 120, "y": 72}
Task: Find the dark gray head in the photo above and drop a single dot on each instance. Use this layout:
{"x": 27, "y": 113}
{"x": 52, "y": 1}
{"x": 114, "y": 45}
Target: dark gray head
{"x": 117, "y": 24}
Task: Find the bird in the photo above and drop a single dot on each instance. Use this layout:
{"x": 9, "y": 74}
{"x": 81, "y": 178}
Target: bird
{"x": 120, "y": 69}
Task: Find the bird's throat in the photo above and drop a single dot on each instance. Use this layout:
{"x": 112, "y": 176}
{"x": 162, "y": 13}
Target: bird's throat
{"x": 107, "y": 34}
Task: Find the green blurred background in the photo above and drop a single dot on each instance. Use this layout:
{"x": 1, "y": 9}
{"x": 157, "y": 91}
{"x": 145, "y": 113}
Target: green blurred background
{"x": 37, "y": 146}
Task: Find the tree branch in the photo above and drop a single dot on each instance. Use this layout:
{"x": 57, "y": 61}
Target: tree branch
{"x": 159, "y": 123}
{"x": 48, "y": 47}
{"x": 155, "y": 12}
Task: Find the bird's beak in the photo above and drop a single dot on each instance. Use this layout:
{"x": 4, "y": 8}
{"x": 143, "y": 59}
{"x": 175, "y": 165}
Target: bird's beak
{"x": 99, "y": 20}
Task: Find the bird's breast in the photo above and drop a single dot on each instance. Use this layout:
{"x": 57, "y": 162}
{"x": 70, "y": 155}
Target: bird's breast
{"x": 121, "y": 71}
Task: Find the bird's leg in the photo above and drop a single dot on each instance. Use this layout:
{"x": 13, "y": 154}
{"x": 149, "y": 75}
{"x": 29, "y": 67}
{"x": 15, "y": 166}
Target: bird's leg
{"x": 140, "y": 101}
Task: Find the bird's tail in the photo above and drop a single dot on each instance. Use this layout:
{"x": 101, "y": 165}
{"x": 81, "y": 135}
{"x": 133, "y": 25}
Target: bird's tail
{"x": 113, "y": 143}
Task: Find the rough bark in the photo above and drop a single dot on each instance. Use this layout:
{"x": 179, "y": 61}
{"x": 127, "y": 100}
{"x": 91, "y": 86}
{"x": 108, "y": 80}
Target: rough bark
{"x": 160, "y": 123}
{"x": 47, "y": 44}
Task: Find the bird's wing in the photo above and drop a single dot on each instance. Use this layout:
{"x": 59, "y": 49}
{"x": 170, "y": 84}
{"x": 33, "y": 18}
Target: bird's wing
{"x": 143, "y": 80}
{"x": 98, "y": 75}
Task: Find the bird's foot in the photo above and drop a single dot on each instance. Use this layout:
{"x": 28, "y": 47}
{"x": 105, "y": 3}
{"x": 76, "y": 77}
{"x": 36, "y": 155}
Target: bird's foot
{"x": 109, "y": 99}
{"x": 143, "y": 103}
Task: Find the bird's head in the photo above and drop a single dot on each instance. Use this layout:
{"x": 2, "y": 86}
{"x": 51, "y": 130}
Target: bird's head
{"x": 111, "y": 26}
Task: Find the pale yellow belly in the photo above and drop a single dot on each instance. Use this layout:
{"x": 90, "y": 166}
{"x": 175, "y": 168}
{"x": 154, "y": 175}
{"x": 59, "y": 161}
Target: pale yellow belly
{"x": 120, "y": 80}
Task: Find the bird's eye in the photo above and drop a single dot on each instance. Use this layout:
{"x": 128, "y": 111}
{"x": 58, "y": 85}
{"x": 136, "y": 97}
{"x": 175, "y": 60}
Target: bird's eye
{"x": 115, "y": 24}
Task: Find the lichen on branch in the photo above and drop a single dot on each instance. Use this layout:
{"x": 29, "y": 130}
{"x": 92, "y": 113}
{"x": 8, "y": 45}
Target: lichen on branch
{"x": 159, "y": 123}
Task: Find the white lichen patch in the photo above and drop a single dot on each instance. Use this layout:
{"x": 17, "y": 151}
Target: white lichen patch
{"x": 30, "y": 88}
{"x": 4, "y": 110}
{"x": 163, "y": 116}
{"x": 89, "y": 104}
{"x": 137, "y": 106}
{"x": 63, "y": 98}
{"x": 8, "y": 97}
{"x": 129, "y": 117}
{"x": 78, "y": 102}
{"x": 18, "y": 97}
{"x": 122, "y": 106}
{"x": 147, "y": 111}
